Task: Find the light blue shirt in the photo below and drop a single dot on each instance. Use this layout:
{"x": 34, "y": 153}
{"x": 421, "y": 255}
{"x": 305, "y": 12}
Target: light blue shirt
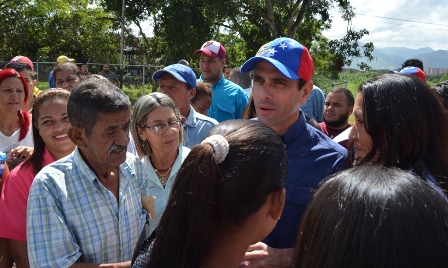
{"x": 72, "y": 217}
{"x": 156, "y": 188}
{"x": 314, "y": 106}
{"x": 196, "y": 127}
{"x": 228, "y": 101}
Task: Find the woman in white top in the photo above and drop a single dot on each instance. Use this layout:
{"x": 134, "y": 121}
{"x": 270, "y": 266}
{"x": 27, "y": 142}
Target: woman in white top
{"x": 158, "y": 135}
{"x": 16, "y": 138}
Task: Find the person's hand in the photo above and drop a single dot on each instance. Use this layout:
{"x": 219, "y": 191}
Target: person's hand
{"x": 17, "y": 155}
{"x": 262, "y": 255}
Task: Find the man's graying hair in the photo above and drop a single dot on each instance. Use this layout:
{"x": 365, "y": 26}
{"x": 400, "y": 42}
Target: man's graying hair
{"x": 93, "y": 97}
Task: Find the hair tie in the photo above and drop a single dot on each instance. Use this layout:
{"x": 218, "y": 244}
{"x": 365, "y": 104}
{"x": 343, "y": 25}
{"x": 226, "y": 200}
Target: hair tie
{"x": 220, "y": 147}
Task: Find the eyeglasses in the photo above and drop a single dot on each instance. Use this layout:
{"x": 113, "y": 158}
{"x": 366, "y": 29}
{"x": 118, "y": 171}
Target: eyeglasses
{"x": 70, "y": 80}
{"x": 162, "y": 128}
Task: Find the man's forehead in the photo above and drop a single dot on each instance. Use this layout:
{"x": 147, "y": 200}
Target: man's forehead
{"x": 25, "y": 73}
{"x": 117, "y": 118}
{"x": 337, "y": 96}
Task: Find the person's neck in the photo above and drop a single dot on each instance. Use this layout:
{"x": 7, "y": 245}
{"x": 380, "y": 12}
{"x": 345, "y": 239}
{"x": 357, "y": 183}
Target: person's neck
{"x": 58, "y": 155}
{"x": 283, "y": 128}
{"x": 344, "y": 126}
{"x": 163, "y": 161}
{"x": 213, "y": 81}
{"x": 186, "y": 112}
{"x": 10, "y": 121}
{"x": 227, "y": 252}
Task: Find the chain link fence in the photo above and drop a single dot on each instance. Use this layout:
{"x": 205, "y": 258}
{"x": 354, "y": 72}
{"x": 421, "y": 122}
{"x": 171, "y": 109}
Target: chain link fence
{"x": 134, "y": 76}
{"x": 139, "y": 77}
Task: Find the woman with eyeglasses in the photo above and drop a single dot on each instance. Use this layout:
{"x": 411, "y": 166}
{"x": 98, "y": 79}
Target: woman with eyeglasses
{"x": 67, "y": 75}
{"x": 158, "y": 135}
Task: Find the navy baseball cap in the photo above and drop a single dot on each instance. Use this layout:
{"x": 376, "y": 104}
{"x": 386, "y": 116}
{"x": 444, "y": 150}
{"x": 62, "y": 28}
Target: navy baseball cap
{"x": 287, "y": 55}
{"x": 180, "y": 72}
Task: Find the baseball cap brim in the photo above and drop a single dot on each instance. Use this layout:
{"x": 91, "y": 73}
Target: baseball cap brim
{"x": 249, "y": 65}
{"x": 207, "y": 52}
{"x": 158, "y": 74}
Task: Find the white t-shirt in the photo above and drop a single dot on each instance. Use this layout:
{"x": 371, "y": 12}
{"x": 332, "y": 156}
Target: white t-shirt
{"x": 13, "y": 141}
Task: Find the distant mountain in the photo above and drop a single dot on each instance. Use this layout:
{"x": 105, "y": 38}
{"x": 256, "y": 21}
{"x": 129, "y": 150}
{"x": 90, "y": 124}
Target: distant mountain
{"x": 405, "y": 53}
{"x": 391, "y": 58}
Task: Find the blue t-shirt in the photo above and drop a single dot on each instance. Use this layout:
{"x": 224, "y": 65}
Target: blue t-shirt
{"x": 314, "y": 105}
{"x": 51, "y": 81}
{"x": 312, "y": 156}
{"x": 228, "y": 100}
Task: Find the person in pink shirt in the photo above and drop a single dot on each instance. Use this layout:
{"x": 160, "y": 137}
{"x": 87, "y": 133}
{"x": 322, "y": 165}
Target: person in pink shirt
{"x": 50, "y": 126}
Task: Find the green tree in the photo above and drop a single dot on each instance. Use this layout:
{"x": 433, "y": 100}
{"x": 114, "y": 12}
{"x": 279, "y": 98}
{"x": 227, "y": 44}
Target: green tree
{"x": 49, "y": 28}
{"x": 185, "y": 24}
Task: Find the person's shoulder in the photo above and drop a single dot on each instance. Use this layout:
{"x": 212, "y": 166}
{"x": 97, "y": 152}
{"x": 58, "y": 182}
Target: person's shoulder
{"x": 205, "y": 119}
{"x": 184, "y": 151}
{"x": 325, "y": 142}
{"x": 131, "y": 161}
{"x": 229, "y": 85}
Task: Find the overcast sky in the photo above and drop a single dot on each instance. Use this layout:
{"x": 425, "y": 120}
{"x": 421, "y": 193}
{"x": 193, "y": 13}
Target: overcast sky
{"x": 411, "y": 23}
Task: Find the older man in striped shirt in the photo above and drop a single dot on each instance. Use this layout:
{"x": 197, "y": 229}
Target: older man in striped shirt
{"x": 85, "y": 209}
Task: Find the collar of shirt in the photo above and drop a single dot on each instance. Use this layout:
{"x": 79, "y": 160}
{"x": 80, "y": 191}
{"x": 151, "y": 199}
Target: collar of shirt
{"x": 221, "y": 81}
{"x": 295, "y": 130}
{"x": 191, "y": 119}
{"x": 124, "y": 169}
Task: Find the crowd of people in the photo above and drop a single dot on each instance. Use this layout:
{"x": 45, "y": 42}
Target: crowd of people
{"x": 252, "y": 166}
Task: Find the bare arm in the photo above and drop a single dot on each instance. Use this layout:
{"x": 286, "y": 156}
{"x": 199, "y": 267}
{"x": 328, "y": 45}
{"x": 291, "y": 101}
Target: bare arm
{"x": 261, "y": 255}
{"x": 105, "y": 265}
{"x": 5, "y": 257}
{"x": 19, "y": 253}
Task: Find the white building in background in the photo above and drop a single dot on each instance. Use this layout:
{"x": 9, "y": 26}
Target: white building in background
{"x": 432, "y": 70}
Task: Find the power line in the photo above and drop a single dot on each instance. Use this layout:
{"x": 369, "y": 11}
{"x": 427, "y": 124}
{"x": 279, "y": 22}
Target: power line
{"x": 438, "y": 24}
{"x": 404, "y": 24}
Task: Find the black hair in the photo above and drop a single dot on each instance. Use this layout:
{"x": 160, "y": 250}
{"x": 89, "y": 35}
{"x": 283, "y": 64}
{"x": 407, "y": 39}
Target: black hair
{"x": 20, "y": 67}
{"x": 442, "y": 89}
{"x": 39, "y": 144}
{"x": 93, "y": 97}
{"x": 408, "y": 126}
{"x": 348, "y": 94}
{"x": 210, "y": 199}
{"x": 412, "y": 63}
{"x": 66, "y": 66}
{"x": 373, "y": 216}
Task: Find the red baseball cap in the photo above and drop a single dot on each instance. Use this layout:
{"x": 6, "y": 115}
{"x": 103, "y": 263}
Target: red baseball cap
{"x": 212, "y": 49}
{"x": 22, "y": 59}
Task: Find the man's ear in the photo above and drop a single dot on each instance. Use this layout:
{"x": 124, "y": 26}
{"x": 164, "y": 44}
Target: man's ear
{"x": 305, "y": 91}
{"x": 278, "y": 203}
{"x": 192, "y": 93}
{"x": 350, "y": 110}
{"x": 76, "y": 134}
{"x": 223, "y": 62}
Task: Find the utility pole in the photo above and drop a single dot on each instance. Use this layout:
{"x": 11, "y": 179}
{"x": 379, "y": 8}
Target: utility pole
{"x": 122, "y": 44}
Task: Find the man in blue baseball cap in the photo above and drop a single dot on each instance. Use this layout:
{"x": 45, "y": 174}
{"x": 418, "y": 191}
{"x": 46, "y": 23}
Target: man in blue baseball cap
{"x": 282, "y": 74}
{"x": 178, "y": 81}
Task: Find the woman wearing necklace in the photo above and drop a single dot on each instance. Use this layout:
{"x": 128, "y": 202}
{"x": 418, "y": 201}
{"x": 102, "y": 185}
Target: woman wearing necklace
{"x": 16, "y": 137}
{"x": 158, "y": 135}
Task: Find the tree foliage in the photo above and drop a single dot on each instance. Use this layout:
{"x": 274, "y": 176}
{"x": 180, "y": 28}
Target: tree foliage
{"x": 86, "y": 29}
{"x": 184, "y": 25}
{"x": 49, "y": 28}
